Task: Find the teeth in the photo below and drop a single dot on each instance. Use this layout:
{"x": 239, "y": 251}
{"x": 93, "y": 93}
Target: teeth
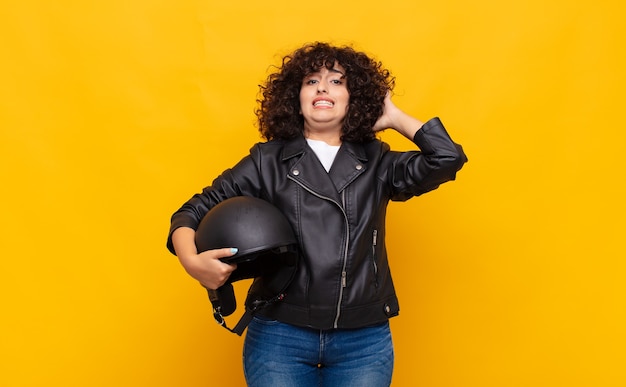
{"x": 323, "y": 103}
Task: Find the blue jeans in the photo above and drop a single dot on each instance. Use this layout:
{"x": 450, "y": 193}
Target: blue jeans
{"x": 282, "y": 355}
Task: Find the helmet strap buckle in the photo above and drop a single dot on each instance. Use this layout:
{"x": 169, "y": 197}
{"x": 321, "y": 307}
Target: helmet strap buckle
{"x": 217, "y": 314}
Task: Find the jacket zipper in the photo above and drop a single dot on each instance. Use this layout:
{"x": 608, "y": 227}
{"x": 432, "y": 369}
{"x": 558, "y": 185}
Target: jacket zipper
{"x": 344, "y": 275}
{"x": 344, "y": 281}
{"x": 374, "y": 243}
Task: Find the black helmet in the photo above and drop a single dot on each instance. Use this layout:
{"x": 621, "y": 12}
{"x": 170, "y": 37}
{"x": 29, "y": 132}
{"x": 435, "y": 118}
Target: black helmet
{"x": 267, "y": 252}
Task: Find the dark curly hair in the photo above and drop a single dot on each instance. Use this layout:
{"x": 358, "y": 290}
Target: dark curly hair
{"x": 367, "y": 81}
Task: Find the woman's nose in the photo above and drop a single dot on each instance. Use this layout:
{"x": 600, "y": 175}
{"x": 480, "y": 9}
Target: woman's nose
{"x": 321, "y": 87}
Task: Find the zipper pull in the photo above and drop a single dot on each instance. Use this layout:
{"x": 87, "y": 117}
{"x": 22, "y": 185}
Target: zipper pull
{"x": 343, "y": 279}
{"x": 375, "y": 238}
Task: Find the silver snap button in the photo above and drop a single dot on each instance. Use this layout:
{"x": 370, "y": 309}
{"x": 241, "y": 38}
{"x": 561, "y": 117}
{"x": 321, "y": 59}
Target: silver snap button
{"x": 296, "y": 172}
{"x": 359, "y": 167}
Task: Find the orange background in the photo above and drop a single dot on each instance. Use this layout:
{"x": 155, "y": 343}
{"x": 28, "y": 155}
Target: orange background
{"x": 114, "y": 113}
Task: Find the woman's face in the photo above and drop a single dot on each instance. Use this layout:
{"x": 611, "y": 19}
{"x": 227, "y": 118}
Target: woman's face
{"x": 324, "y": 99}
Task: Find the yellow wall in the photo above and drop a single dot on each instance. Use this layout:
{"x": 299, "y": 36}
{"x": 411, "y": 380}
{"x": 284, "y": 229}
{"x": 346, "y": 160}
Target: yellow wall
{"x": 112, "y": 113}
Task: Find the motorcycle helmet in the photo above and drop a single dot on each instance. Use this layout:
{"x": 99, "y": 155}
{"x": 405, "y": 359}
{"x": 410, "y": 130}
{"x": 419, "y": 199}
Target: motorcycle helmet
{"x": 267, "y": 252}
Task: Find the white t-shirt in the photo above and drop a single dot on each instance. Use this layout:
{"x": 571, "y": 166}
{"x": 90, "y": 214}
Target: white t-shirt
{"x": 325, "y": 153}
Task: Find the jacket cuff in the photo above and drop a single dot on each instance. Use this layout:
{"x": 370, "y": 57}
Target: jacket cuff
{"x": 178, "y": 222}
{"x": 419, "y": 138}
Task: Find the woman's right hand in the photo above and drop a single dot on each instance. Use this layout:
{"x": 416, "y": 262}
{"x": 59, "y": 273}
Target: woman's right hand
{"x": 206, "y": 267}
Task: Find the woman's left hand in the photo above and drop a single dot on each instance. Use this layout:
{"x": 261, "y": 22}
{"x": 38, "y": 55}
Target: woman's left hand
{"x": 385, "y": 121}
{"x": 396, "y": 119}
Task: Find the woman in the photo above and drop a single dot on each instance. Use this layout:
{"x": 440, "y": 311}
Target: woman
{"x": 323, "y": 167}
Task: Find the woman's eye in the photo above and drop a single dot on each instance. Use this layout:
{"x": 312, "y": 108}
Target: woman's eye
{"x": 337, "y": 81}
{"x": 310, "y": 81}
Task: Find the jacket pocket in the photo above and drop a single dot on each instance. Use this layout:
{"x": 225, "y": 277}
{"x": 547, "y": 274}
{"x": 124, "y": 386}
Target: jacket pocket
{"x": 375, "y": 256}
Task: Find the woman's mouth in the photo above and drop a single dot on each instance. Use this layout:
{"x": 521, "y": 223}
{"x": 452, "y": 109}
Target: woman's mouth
{"x": 322, "y": 102}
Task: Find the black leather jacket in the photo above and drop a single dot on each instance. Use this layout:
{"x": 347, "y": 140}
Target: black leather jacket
{"x": 343, "y": 280}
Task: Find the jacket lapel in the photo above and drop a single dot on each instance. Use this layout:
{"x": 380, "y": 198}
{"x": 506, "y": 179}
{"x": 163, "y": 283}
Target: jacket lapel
{"x": 349, "y": 163}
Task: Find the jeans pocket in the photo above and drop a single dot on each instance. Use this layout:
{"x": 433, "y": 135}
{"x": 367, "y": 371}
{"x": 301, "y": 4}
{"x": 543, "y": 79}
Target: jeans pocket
{"x": 265, "y": 320}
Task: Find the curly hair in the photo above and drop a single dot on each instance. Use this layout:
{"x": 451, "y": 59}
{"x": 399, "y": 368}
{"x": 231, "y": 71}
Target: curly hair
{"x": 368, "y": 83}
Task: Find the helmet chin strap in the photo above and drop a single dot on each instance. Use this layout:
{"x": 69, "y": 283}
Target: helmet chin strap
{"x": 248, "y": 314}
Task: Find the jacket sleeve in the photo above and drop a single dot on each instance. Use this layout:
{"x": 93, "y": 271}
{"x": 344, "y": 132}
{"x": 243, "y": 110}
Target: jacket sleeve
{"x": 438, "y": 161}
{"x": 241, "y": 180}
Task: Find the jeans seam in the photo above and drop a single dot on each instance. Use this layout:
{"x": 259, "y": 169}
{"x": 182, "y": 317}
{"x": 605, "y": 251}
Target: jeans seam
{"x": 321, "y": 348}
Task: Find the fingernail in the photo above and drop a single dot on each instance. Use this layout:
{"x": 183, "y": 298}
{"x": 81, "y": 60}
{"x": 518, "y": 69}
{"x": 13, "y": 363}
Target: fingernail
{"x": 233, "y": 250}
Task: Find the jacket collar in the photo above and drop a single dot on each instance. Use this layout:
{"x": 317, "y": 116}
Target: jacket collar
{"x": 299, "y": 145}
{"x": 305, "y": 168}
